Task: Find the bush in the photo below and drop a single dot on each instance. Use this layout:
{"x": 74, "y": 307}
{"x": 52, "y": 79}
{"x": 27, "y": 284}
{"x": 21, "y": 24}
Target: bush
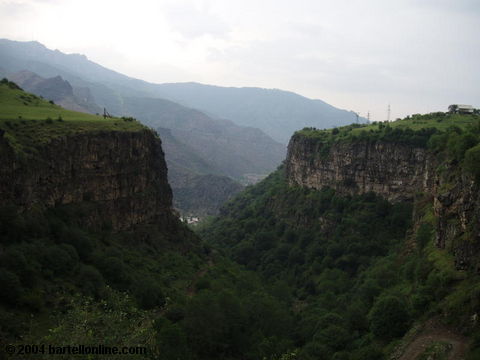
{"x": 202, "y": 284}
{"x": 10, "y": 286}
{"x": 116, "y": 272}
{"x": 175, "y": 313}
{"x": 424, "y": 234}
{"x": 91, "y": 281}
{"x": 149, "y": 294}
{"x": 57, "y": 259}
{"x": 458, "y": 144}
{"x": 472, "y": 162}
{"x": 15, "y": 261}
{"x": 389, "y": 318}
{"x": 173, "y": 342}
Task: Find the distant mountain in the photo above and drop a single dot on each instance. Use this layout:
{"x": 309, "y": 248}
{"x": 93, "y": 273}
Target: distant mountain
{"x": 181, "y": 158}
{"x": 196, "y": 145}
{"x": 278, "y": 113}
{"x": 205, "y": 194}
{"x": 198, "y": 187}
{"x": 235, "y": 150}
{"x": 231, "y": 149}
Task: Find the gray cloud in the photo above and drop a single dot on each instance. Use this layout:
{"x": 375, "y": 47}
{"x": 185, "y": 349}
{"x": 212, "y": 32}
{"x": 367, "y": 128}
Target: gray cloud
{"x": 192, "y": 22}
{"x": 357, "y": 54}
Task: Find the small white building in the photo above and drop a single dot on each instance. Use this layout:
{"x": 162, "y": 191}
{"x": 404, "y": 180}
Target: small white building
{"x": 461, "y": 109}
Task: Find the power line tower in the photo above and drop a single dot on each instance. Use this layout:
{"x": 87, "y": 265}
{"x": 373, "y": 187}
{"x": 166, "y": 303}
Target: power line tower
{"x": 368, "y": 116}
{"x": 106, "y": 114}
{"x": 388, "y": 113}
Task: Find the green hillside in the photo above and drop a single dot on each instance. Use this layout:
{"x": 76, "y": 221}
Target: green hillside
{"x": 415, "y": 129}
{"x": 351, "y": 269}
{"x": 284, "y": 273}
{"x": 364, "y": 276}
{"x": 155, "y": 286}
{"x": 439, "y": 121}
{"x": 29, "y": 121}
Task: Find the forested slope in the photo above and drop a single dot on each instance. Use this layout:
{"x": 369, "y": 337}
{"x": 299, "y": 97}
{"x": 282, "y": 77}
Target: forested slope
{"x": 363, "y": 271}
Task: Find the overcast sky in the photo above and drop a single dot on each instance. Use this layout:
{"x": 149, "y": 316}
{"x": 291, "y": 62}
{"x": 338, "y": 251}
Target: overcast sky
{"x": 417, "y": 55}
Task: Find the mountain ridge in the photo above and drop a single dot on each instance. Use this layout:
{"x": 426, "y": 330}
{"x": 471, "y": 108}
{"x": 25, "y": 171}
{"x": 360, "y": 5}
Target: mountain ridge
{"x": 292, "y": 117}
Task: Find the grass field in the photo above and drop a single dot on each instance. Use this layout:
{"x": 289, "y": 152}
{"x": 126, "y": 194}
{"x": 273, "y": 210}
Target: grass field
{"x": 29, "y": 121}
{"x": 435, "y": 120}
{"x": 439, "y": 121}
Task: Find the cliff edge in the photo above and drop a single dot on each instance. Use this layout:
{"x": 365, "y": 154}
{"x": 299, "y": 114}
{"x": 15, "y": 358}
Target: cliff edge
{"x": 397, "y": 164}
{"x": 52, "y": 157}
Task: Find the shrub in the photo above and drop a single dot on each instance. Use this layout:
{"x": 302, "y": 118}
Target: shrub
{"x": 14, "y": 260}
{"x": 472, "y": 162}
{"x": 148, "y": 294}
{"x": 202, "y": 284}
{"x": 389, "y": 318}
{"x": 57, "y": 259}
{"x": 175, "y": 313}
{"x": 91, "y": 281}
{"x": 10, "y": 286}
{"x": 116, "y": 272}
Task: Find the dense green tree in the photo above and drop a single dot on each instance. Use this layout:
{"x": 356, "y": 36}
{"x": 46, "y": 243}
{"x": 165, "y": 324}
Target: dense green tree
{"x": 11, "y": 287}
{"x": 148, "y": 293}
{"x": 389, "y": 317}
{"x": 472, "y": 162}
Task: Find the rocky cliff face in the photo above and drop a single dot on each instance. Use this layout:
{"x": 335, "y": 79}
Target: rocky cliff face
{"x": 122, "y": 175}
{"x": 397, "y": 172}
{"x": 457, "y": 211}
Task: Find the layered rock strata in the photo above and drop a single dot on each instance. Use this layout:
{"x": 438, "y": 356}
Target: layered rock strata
{"x": 122, "y": 174}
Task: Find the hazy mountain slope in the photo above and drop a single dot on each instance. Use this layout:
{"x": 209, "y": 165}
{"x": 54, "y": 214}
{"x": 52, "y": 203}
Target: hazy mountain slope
{"x": 233, "y": 149}
{"x": 13, "y": 63}
{"x": 197, "y": 187}
{"x": 203, "y": 195}
{"x": 45, "y": 60}
{"x": 182, "y": 157}
{"x": 276, "y": 112}
{"x": 240, "y": 150}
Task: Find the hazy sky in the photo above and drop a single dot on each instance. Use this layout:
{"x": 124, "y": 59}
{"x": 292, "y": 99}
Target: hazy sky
{"x": 417, "y": 55}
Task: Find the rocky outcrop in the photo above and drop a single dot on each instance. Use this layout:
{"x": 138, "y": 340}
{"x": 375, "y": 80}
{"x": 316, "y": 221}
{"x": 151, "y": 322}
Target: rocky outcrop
{"x": 393, "y": 170}
{"x": 397, "y": 172}
{"x": 122, "y": 175}
{"x": 457, "y": 210}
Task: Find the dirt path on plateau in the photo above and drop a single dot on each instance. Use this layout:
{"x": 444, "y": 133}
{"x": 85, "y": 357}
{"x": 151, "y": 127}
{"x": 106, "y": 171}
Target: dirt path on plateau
{"x": 434, "y": 331}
